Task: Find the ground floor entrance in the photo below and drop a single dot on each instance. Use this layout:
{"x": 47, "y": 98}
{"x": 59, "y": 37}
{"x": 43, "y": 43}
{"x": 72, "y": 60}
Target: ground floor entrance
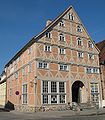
{"x": 77, "y": 91}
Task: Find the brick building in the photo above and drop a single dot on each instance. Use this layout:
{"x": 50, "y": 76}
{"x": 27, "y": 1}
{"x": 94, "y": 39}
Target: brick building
{"x": 101, "y": 46}
{"x": 57, "y": 67}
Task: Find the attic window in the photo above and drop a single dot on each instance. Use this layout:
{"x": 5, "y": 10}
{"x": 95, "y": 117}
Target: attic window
{"x": 71, "y": 17}
{"x": 48, "y": 34}
{"x": 90, "y": 45}
{"x": 61, "y": 23}
{"x": 79, "y": 29}
{"x": 61, "y": 37}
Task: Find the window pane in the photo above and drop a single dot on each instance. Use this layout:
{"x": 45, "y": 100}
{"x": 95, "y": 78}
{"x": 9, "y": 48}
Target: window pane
{"x": 53, "y": 87}
{"x": 62, "y": 98}
{"x": 53, "y": 98}
{"x": 61, "y": 87}
{"x": 45, "y": 99}
{"x": 45, "y": 86}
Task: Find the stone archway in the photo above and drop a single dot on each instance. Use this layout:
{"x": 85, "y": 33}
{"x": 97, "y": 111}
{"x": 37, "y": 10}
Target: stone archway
{"x": 77, "y": 91}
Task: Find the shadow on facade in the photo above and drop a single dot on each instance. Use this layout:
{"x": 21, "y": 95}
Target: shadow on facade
{"x": 9, "y": 106}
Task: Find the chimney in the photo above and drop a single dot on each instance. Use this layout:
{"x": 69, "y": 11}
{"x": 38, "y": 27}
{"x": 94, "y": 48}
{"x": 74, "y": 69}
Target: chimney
{"x": 48, "y": 22}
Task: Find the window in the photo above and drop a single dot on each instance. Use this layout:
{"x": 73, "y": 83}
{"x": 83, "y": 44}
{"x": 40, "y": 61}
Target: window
{"x": 23, "y": 71}
{"x": 30, "y": 67}
{"x": 47, "y": 48}
{"x": 90, "y": 45}
{"x": 71, "y": 17}
{"x": 29, "y": 50}
{"x": 53, "y": 92}
{"x": 61, "y": 23}
{"x": 53, "y": 87}
{"x": 79, "y": 41}
{"x": 45, "y": 99}
{"x": 80, "y": 54}
{"x": 45, "y": 86}
{"x": 61, "y": 87}
{"x": 43, "y": 65}
{"x": 94, "y": 92}
{"x": 63, "y": 67}
{"x": 95, "y": 70}
{"x": 61, "y": 50}
{"x": 48, "y": 34}
{"x": 61, "y": 37}
{"x": 79, "y": 29}
{"x": 16, "y": 75}
{"x": 89, "y": 70}
{"x": 92, "y": 70}
{"x": 90, "y": 56}
{"x": 24, "y": 94}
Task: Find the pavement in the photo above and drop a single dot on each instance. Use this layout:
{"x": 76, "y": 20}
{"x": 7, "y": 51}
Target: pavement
{"x": 58, "y": 114}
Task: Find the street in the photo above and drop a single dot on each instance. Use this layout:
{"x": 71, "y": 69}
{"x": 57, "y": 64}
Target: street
{"x": 40, "y": 116}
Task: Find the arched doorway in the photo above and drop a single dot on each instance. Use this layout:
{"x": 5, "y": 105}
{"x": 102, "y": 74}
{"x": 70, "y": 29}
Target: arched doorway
{"x": 77, "y": 91}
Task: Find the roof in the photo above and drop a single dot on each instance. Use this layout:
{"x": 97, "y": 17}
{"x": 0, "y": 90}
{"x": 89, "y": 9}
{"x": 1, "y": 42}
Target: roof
{"x": 35, "y": 38}
{"x": 101, "y": 46}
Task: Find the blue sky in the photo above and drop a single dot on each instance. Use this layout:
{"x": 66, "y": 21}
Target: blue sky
{"x": 20, "y": 20}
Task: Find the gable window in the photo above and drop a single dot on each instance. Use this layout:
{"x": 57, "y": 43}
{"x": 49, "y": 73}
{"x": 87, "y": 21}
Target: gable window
{"x": 24, "y": 94}
{"x": 53, "y": 92}
{"x": 90, "y": 45}
{"x": 48, "y": 34}
{"x": 79, "y": 29}
{"x": 43, "y": 65}
{"x": 16, "y": 75}
{"x": 80, "y": 54}
{"x": 30, "y": 67}
{"x": 47, "y": 48}
{"x": 61, "y": 23}
{"x": 61, "y": 37}
{"x": 29, "y": 50}
{"x": 79, "y": 41}
{"x": 63, "y": 67}
{"x": 23, "y": 71}
{"x": 71, "y": 17}
{"x": 61, "y": 50}
{"x": 90, "y": 56}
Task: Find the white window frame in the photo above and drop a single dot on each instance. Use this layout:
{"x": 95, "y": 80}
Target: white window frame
{"x": 90, "y": 56}
{"x": 90, "y": 44}
{"x": 57, "y": 93}
{"x": 80, "y": 54}
{"x": 94, "y": 92}
{"x": 24, "y": 94}
{"x": 63, "y": 67}
{"x": 29, "y": 67}
{"x": 47, "y": 48}
{"x": 70, "y": 16}
{"x": 48, "y": 35}
{"x": 62, "y": 37}
{"x": 61, "y": 23}
{"x": 29, "y": 50}
{"x": 16, "y": 74}
{"x": 62, "y": 51}
{"x": 43, "y": 65}
{"x": 79, "y": 41}
{"x": 79, "y": 29}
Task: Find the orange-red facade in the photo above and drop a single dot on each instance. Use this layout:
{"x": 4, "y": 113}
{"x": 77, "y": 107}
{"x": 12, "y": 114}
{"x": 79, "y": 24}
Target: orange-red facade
{"x": 61, "y": 61}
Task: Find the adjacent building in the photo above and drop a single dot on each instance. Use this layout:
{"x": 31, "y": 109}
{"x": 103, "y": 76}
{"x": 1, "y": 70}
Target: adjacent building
{"x": 55, "y": 68}
{"x": 101, "y": 46}
{"x": 2, "y": 89}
